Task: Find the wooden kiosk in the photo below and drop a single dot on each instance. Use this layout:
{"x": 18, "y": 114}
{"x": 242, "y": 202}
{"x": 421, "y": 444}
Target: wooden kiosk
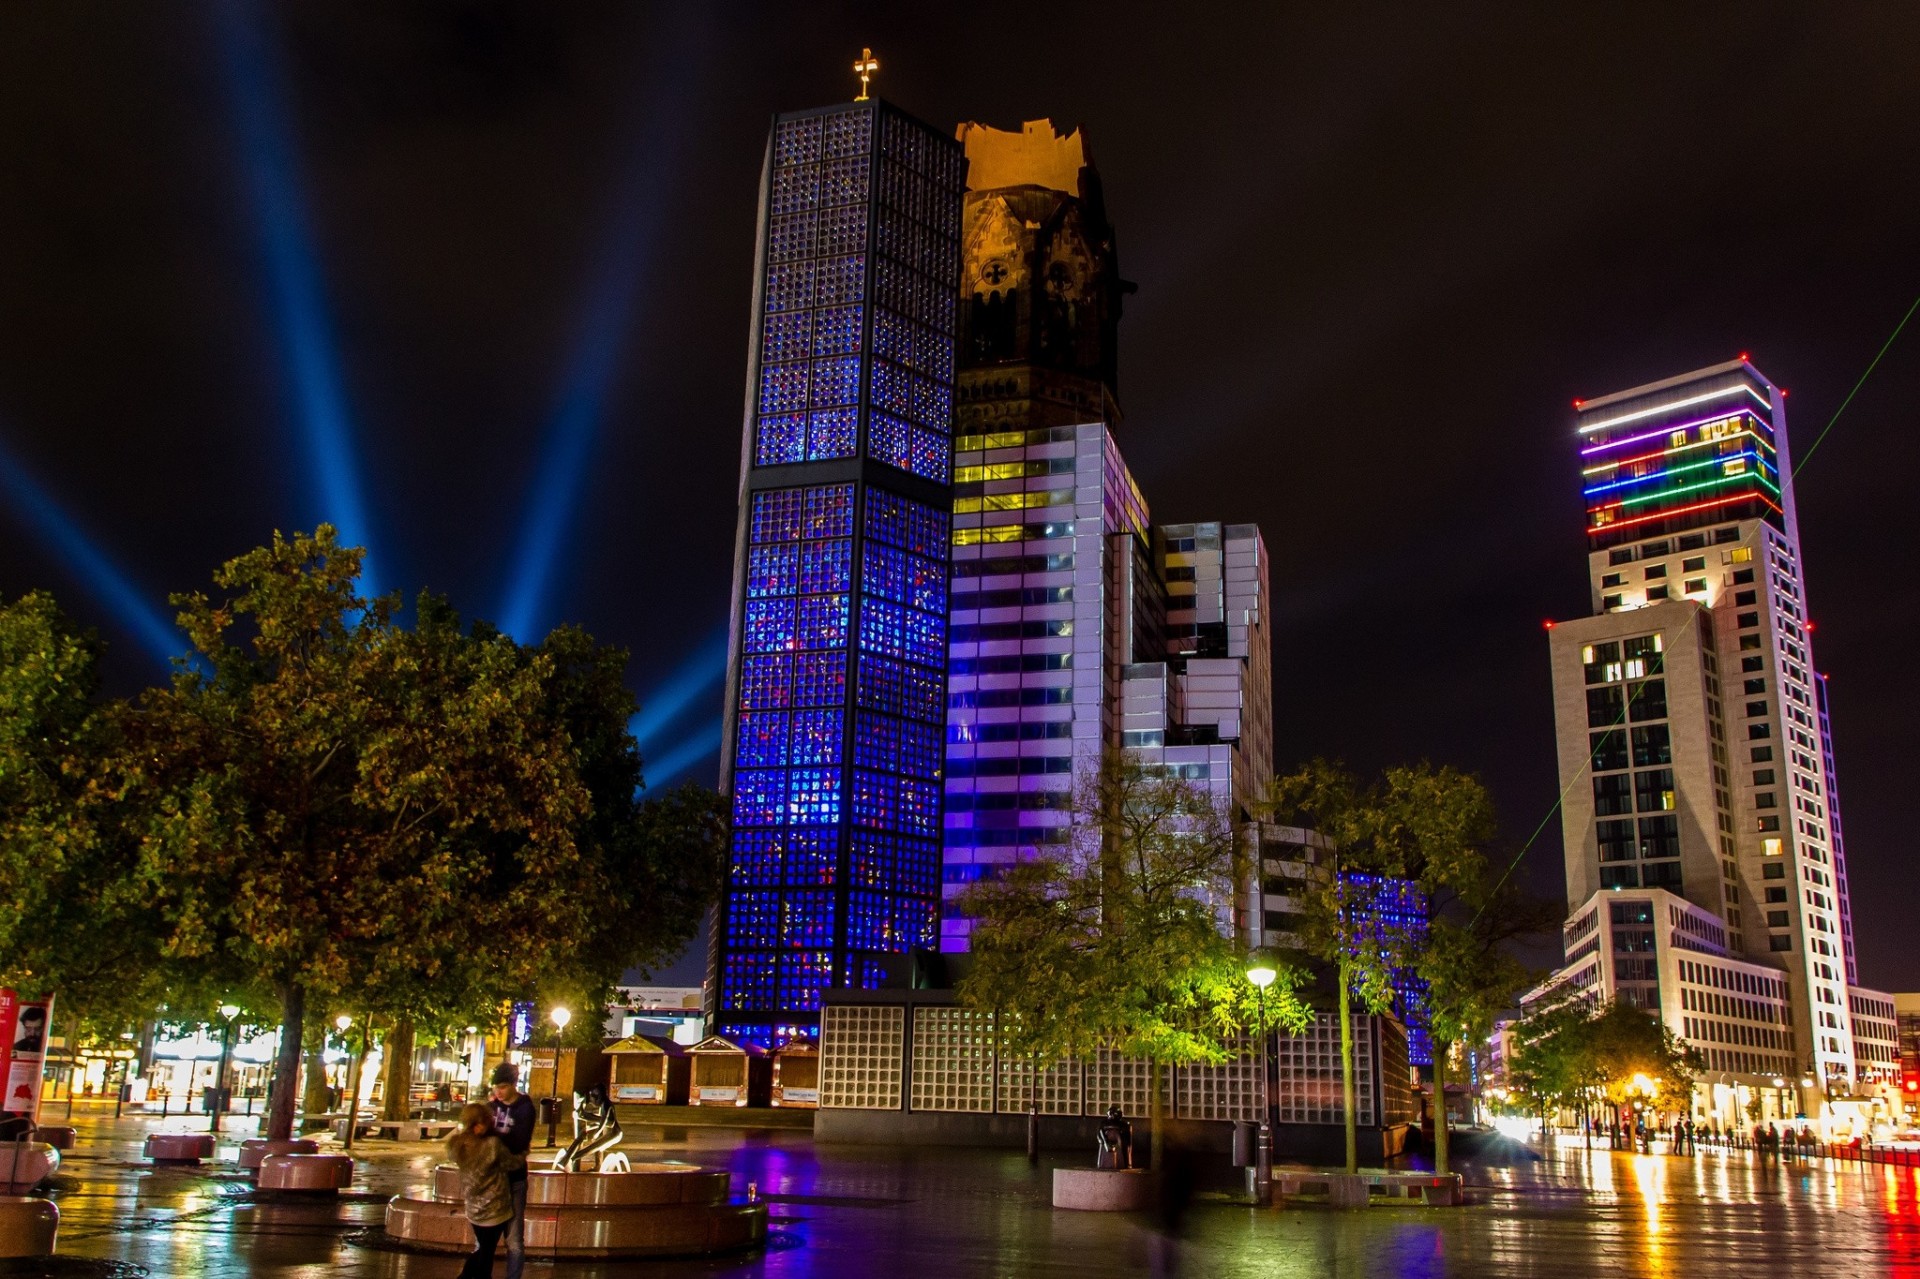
{"x": 728, "y": 1074}
{"x": 796, "y": 1076}
{"x": 646, "y": 1070}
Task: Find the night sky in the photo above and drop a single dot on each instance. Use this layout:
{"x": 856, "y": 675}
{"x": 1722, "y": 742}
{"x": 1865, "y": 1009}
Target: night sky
{"x": 1377, "y": 257}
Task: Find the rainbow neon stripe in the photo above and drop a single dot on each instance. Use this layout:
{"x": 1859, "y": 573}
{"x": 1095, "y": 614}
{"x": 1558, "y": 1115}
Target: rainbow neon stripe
{"x": 1762, "y": 464}
{"x": 1684, "y": 510}
{"x": 1670, "y": 450}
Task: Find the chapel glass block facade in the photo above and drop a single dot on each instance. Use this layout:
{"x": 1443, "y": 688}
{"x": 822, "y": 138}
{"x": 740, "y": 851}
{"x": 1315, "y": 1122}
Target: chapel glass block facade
{"x": 837, "y": 680}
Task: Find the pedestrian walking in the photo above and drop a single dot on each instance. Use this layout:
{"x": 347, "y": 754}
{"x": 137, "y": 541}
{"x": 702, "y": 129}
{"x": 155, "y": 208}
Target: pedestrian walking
{"x": 513, "y": 1120}
{"x": 486, "y": 1197}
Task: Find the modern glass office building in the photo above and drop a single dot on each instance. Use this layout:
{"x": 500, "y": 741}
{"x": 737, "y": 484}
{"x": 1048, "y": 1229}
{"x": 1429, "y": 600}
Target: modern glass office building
{"x": 836, "y": 691}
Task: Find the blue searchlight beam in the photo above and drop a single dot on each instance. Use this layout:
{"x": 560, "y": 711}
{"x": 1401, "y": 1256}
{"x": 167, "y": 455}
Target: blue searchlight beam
{"x": 89, "y": 565}
{"x": 295, "y": 295}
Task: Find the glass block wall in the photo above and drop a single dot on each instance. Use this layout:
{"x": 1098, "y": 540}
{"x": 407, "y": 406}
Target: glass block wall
{"x": 837, "y": 681}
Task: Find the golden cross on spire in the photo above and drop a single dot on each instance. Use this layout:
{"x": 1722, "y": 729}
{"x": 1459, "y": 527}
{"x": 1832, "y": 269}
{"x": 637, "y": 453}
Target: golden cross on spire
{"x": 864, "y": 66}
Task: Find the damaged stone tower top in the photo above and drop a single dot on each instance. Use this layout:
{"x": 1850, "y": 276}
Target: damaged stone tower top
{"x": 1040, "y": 287}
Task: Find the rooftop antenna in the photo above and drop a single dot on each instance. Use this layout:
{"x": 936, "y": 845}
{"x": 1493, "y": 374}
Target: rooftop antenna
{"x": 864, "y": 66}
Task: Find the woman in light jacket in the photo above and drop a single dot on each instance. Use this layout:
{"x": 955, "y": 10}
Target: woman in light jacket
{"x": 483, "y": 1162}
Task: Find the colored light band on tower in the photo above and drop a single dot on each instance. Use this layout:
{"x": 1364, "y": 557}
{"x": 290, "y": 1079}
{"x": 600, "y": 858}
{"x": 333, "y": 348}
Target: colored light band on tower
{"x": 1716, "y": 482}
{"x": 1670, "y": 428}
{"x": 1669, "y": 451}
{"x": 1684, "y": 510}
{"x": 1703, "y": 398}
{"x": 1722, "y": 459}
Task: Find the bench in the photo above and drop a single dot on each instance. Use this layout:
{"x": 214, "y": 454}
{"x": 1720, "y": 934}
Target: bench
{"x": 308, "y": 1174}
{"x": 1362, "y": 1189}
{"x": 59, "y": 1138}
{"x": 427, "y": 1129}
{"x": 178, "y": 1147}
{"x": 25, "y": 1164}
{"x": 254, "y": 1152}
{"x": 27, "y": 1226}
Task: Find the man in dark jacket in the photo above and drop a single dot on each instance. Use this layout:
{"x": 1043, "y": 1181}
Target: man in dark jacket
{"x": 513, "y": 1119}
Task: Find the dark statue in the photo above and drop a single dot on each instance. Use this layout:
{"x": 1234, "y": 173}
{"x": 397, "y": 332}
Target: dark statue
{"x": 1116, "y": 1141}
{"x": 596, "y": 1136}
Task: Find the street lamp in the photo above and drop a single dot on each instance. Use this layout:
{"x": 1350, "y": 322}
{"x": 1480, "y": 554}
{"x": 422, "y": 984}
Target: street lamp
{"x": 1261, "y": 972}
{"x": 560, "y": 1016}
{"x": 227, "y": 1013}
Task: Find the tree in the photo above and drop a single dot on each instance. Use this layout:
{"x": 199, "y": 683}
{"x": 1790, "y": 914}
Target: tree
{"x": 327, "y": 811}
{"x": 1576, "y": 1053}
{"x": 1116, "y": 939}
{"x": 1428, "y": 828}
{"x": 1471, "y": 978}
{"x": 78, "y": 921}
{"x": 1340, "y": 925}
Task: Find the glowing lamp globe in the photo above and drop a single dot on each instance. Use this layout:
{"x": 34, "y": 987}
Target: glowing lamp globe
{"x": 561, "y": 1017}
{"x": 341, "y": 1023}
{"x": 1261, "y": 973}
{"x": 229, "y": 1011}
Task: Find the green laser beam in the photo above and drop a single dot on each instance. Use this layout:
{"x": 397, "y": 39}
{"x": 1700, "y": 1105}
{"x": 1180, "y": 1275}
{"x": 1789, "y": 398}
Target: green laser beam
{"x": 1800, "y": 466}
{"x": 1856, "y": 388}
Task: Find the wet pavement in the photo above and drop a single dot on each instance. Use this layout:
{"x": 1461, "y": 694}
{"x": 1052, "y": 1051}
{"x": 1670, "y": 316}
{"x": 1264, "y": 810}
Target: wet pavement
{"x": 849, "y": 1211}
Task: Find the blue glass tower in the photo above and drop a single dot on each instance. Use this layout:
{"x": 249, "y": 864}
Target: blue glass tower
{"x": 836, "y": 680}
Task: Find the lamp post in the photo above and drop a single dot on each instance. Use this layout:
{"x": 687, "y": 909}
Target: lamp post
{"x": 560, "y": 1016}
{"x": 1261, "y": 972}
{"x": 227, "y": 1013}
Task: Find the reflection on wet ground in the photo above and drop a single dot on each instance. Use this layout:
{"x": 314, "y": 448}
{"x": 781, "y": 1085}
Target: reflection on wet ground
{"x": 924, "y": 1214}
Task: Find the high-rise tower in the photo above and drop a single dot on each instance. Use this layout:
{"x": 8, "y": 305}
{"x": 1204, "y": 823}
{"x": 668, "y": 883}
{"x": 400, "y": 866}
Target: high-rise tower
{"x": 836, "y": 680}
{"x": 1693, "y": 739}
{"x": 1078, "y": 628}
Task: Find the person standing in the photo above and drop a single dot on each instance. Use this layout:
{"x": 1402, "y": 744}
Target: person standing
{"x": 513, "y": 1120}
{"x": 485, "y": 1194}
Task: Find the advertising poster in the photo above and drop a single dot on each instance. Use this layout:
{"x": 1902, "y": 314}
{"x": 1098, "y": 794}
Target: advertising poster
{"x": 25, "y": 1025}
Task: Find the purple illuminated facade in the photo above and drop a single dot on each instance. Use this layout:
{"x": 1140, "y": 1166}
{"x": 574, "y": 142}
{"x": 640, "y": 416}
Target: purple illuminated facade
{"x": 837, "y": 671}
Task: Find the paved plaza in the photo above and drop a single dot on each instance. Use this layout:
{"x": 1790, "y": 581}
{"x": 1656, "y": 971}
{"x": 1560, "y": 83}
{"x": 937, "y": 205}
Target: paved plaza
{"x": 844, "y": 1210}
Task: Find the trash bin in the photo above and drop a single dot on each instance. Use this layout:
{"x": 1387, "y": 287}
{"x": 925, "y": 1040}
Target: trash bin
{"x": 212, "y": 1099}
{"x": 549, "y": 1110}
{"x": 1245, "y": 1136}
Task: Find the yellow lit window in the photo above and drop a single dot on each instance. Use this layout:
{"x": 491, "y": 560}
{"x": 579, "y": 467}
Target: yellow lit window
{"x": 1770, "y": 847}
{"x": 992, "y": 533}
{"x": 1742, "y": 555}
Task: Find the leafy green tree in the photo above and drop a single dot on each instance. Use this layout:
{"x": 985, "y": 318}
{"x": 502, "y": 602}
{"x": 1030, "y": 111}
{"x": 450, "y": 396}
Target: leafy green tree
{"x": 1472, "y": 977}
{"x": 1431, "y": 827}
{"x": 1339, "y": 926}
{"x": 1575, "y": 1054}
{"x": 78, "y": 922}
{"x": 414, "y": 825}
{"x": 1117, "y": 940}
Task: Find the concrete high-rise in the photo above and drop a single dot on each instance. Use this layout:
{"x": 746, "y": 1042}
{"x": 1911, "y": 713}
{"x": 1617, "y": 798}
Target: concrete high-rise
{"x": 1078, "y": 628}
{"x": 1699, "y": 817}
{"x": 836, "y": 681}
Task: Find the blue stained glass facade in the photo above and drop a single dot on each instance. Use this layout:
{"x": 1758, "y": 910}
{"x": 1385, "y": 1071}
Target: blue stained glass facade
{"x": 1396, "y": 908}
{"x": 836, "y": 737}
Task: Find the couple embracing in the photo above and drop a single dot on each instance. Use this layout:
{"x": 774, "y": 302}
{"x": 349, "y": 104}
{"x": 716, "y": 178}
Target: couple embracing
{"x": 490, "y": 1149}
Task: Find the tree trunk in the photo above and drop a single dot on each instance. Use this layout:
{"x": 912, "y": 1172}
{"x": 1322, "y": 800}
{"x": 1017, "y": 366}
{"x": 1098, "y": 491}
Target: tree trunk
{"x": 1349, "y": 1102}
{"x": 1440, "y": 1106}
{"x": 286, "y": 1065}
{"x": 398, "y": 1062}
{"x": 313, "y": 1100}
{"x": 1155, "y": 1114}
{"x": 1033, "y": 1109}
